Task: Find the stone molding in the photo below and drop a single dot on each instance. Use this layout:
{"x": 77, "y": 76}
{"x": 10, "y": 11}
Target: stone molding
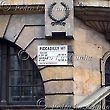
{"x": 103, "y": 61}
{"x": 21, "y": 9}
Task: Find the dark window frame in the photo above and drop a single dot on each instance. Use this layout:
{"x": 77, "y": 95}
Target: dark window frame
{"x": 107, "y": 80}
{"x": 4, "y": 78}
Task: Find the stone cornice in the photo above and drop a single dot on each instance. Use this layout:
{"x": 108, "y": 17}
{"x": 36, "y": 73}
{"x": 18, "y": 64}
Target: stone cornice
{"x": 97, "y": 18}
{"x": 21, "y": 9}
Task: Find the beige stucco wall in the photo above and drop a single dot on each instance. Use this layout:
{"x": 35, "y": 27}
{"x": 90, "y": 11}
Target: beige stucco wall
{"x": 88, "y": 45}
{"x": 28, "y": 31}
{"x": 89, "y": 48}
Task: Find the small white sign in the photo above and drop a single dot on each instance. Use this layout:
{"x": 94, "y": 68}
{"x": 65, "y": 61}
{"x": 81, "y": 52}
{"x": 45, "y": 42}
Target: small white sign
{"x": 52, "y": 55}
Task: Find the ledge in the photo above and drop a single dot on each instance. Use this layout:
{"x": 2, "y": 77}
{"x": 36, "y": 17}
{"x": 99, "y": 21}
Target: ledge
{"x": 97, "y": 18}
{"x": 22, "y": 9}
{"x": 21, "y": 106}
{"x": 92, "y": 13}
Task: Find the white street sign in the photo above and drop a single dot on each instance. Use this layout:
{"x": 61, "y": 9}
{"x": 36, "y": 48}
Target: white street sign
{"x": 52, "y": 55}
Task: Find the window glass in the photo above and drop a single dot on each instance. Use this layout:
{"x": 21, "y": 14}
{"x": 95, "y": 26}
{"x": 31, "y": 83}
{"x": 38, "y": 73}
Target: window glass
{"x": 107, "y": 80}
{"x": 20, "y": 79}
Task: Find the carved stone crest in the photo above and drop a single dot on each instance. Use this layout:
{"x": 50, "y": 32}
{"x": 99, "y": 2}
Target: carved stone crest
{"x": 57, "y": 21}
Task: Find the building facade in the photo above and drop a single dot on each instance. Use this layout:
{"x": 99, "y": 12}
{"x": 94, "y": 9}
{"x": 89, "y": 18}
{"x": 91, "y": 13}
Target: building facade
{"x": 81, "y": 81}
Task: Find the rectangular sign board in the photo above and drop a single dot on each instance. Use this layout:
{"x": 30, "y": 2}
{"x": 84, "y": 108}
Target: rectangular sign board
{"x": 52, "y": 55}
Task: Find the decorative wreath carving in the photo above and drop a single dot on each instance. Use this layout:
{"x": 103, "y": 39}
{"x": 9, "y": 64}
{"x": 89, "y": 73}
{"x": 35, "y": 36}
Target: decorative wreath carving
{"x": 58, "y": 21}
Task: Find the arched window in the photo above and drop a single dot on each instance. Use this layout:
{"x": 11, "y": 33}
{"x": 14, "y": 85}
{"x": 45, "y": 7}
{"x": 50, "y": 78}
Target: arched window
{"x": 20, "y": 80}
{"x": 107, "y": 72}
{"x": 107, "y": 80}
